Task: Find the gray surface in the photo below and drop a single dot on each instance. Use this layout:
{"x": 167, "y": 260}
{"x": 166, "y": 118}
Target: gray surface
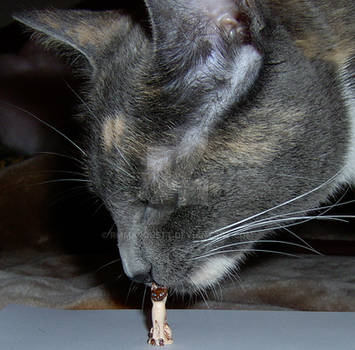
{"x": 37, "y": 328}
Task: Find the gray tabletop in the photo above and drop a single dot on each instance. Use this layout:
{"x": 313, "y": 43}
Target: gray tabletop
{"x": 38, "y": 328}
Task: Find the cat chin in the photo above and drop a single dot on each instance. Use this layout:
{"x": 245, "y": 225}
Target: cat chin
{"x": 213, "y": 270}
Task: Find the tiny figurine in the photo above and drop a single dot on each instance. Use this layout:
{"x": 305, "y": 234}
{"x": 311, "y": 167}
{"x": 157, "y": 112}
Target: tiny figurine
{"x": 160, "y": 334}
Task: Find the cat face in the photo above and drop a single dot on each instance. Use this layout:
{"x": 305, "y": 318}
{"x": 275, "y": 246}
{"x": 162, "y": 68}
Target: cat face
{"x": 203, "y": 134}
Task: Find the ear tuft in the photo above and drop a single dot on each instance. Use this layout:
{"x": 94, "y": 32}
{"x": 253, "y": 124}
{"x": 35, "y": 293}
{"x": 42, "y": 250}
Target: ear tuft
{"x": 237, "y": 27}
{"x": 86, "y": 31}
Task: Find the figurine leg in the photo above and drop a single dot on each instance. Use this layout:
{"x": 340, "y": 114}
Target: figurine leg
{"x": 156, "y": 335}
{"x": 168, "y": 334}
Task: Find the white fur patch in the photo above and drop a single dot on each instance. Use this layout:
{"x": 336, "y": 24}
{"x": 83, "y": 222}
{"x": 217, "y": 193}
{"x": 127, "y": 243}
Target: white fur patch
{"x": 213, "y": 270}
{"x": 158, "y": 160}
{"x": 215, "y": 9}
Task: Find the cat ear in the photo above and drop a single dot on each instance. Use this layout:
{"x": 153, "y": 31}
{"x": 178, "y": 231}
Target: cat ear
{"x": 188, "y": 19}
{"x": 207, "y": 40}
{"x": 86, "y": 31}
{"x": 210, "y": 47}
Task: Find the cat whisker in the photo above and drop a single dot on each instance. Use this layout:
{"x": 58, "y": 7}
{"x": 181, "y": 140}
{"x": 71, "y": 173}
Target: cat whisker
{"x": 96, "y": 203}
{"x": 99, "y": 207}
{"x": 70, "y": 193}
{"x": 294, "y": 221}
{"x": 46, "y": 124}
{"x": 60, "y": 180}
{"x": 325, "y": 208}
{"x": 129, "y": 292}
{"x": 80, "y": 99}
{"x": 120, "y": 169}
{"x": 107, "y": 264}
{"x": 229, "y": 274}
{"x": 246, "y": 251}
{"x": 143, "y": 298}
{"x": 117, "y": 149}
{"x": 220, "y": 231}
{"x": 263, "y": 241}
{"x": 201, "y": 292}
{"x": 61, "y": 155}
{"x": 109, "y": 233}
{"x": 56, "y": 171}
{"x": 119, "y": 276}
{"x": 246, "y": 229}
{"x": 299, "y": 238}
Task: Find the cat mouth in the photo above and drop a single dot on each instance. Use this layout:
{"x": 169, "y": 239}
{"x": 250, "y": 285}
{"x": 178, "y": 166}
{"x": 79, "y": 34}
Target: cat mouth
{"x": 203, "y": 277}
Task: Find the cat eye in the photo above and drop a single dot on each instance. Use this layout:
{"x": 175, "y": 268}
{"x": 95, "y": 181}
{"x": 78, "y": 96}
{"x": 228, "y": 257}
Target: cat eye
{"x": 156, "y": 214}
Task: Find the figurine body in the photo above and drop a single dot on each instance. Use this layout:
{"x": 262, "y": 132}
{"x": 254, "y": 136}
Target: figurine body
{"x": 160, "y": 334}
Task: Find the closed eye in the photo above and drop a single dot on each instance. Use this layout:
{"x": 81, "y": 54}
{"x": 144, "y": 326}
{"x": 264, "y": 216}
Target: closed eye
{"x": 157, "y": 214}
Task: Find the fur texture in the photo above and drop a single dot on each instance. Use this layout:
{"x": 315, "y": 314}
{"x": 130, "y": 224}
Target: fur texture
{"x": 217, "y": 120}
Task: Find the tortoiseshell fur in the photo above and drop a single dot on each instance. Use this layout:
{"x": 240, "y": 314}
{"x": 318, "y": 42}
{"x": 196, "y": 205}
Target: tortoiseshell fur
{"x": 216, "y": 114}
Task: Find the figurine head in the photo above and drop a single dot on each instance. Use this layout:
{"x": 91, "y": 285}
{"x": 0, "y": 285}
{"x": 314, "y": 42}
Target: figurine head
{"x": 158, "y": 293}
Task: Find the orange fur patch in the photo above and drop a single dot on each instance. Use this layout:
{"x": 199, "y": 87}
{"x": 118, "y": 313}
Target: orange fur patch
{"x": 112, "y": 131}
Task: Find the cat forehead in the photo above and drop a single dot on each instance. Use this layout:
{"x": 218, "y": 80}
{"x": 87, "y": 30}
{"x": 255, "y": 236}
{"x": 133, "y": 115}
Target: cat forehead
{"x": 120, "y": 136}
{"x": 159, "y": 157}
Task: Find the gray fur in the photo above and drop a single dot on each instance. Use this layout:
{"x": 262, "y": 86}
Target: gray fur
{"x": 285, "y": 132}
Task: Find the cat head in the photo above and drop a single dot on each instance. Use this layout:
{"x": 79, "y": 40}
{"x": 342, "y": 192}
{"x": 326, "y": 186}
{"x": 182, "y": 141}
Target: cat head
{"x": 194, "y": 136}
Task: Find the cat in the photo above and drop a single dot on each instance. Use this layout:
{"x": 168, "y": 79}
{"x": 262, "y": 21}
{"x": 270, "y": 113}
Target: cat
{"x": 211, "y": 127}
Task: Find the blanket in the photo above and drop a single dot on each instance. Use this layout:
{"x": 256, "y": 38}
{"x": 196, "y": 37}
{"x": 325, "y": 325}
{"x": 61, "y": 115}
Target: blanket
{"x": 58, "y": 280}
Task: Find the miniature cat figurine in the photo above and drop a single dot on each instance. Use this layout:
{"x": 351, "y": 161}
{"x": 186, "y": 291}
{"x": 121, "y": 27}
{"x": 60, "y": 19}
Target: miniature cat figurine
{"x": 160, "y": 334}
{"x": 221, "y": 122}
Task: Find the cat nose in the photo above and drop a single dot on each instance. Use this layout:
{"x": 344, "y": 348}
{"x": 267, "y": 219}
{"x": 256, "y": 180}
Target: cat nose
{"x": 145, "y": 277}
{"x": 135, "y": 266}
